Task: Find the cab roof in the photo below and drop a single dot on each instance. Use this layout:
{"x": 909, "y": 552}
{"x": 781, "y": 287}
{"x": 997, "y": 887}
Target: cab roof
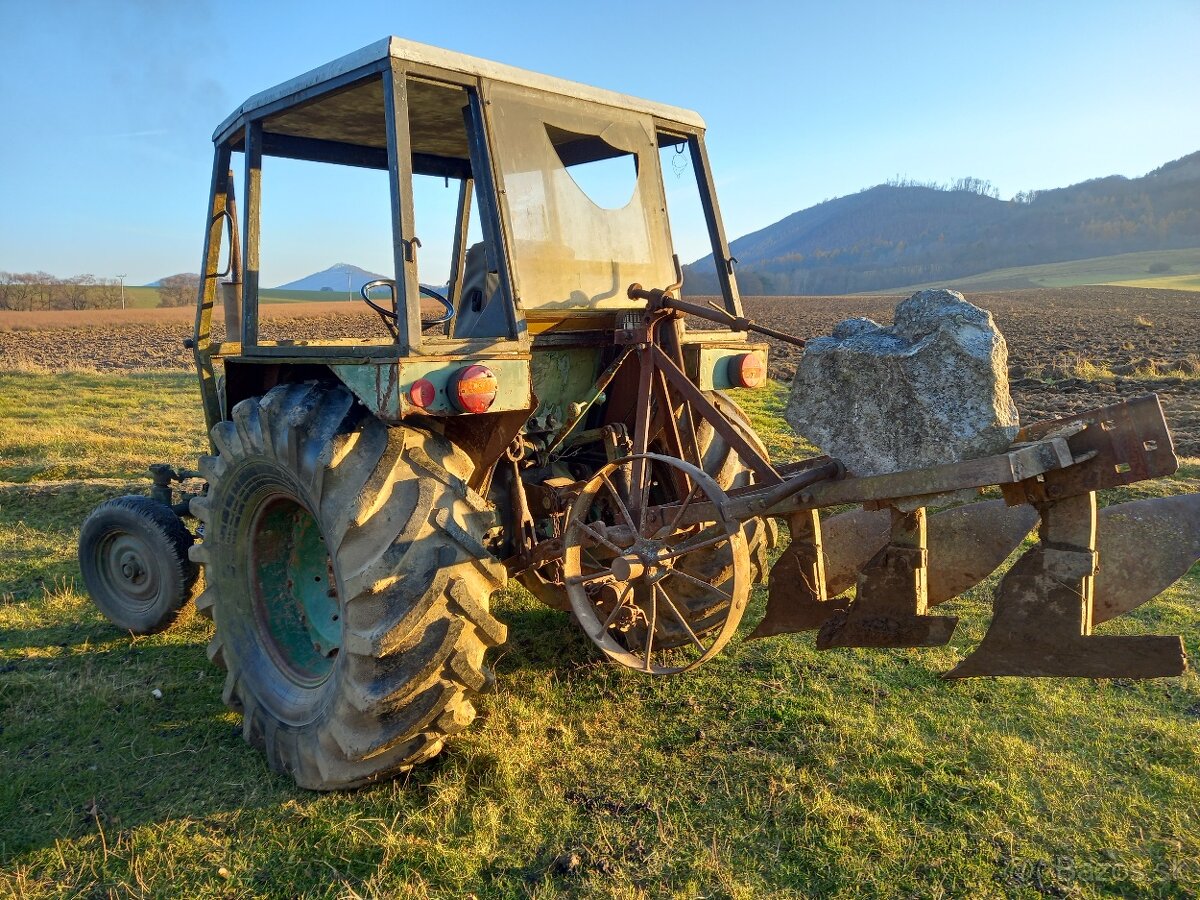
{"x": 333, "y": 74}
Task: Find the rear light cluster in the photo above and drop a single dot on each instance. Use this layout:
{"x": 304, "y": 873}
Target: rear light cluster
{"x": 471, "y": 389}
{"x": 747, "y": 370}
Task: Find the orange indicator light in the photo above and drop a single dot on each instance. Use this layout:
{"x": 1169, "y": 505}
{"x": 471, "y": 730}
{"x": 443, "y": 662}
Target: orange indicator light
{"x": 473, "y": 389}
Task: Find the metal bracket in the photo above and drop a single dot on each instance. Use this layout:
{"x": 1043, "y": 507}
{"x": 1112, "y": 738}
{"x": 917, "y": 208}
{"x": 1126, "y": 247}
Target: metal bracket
{"x": 889, "y": 609}
{"x": 1042, "y": 625}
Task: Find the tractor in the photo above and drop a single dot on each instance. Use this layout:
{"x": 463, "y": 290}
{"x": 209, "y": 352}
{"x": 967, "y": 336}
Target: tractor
{"x": 558, "y": 414}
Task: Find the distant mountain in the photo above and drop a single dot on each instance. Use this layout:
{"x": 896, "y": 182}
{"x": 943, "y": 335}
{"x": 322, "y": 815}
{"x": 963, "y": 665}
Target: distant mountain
{"x": 333, "y": 279}
{"x": 900, "y": 234}
{"x": 160, "y": 281}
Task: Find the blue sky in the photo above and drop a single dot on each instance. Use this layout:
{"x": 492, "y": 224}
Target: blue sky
{"x": 109, "y": 108}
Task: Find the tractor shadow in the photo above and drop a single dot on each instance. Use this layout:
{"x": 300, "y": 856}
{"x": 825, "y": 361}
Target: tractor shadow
{"x": 88, "y": 747}
{"x": 110, "y": 738}
{"x": 539, "y": 638}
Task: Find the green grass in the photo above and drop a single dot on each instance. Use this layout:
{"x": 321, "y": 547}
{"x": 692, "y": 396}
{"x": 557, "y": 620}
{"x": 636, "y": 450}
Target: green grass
{"x": 85, "y": 425}
{"x": 1174, "y": 269}
{"x": 141, "y": 297}
{"x": 775, "y": 770}
{"x": 1169, "y": 282}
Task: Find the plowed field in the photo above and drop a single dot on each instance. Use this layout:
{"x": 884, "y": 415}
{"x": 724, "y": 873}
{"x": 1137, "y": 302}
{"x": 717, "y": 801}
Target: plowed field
{"x": 1069, "y": 348}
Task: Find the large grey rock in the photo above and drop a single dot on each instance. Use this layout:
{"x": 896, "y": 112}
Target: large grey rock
{"x": 930, "y": 389}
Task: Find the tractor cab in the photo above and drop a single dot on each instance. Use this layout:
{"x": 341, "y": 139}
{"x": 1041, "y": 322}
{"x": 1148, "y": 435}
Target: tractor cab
{"x": 559, "y": 183}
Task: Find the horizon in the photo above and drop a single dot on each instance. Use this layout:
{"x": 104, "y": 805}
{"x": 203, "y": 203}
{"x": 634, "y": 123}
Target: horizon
{"x": 1035, "y": 101}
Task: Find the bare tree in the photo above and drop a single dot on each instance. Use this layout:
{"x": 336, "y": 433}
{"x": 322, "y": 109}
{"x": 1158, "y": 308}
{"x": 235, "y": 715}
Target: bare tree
{"x": 178, "y": 290}
{"x": 7, "y": 290}
{"x": 75, "y": 292}
{"x": 106, "y": 294}
{"x": 22, "y": 289}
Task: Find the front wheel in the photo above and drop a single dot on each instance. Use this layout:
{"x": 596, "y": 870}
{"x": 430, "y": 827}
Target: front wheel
{"x": 133, "y": 556}
{"x": 348, "y": 585}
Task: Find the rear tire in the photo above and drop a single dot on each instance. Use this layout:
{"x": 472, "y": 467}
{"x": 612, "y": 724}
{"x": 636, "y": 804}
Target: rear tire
{"x": 348, "y": 585}
{"x": 133, "y": 555}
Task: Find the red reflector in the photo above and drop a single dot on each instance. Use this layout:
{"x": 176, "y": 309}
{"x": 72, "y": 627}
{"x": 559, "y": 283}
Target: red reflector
{"x": 747, "y": 370}
{"x": 473, "y": 389}
{"x": 422, "y": 392}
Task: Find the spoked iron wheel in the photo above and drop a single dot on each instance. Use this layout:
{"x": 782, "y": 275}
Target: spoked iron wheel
{"x": 621, "y": 564}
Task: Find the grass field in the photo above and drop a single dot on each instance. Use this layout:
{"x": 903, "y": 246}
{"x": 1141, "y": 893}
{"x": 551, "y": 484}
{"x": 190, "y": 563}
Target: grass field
{"x": 1174, "y": 269}
{"x": 773, "y": 771}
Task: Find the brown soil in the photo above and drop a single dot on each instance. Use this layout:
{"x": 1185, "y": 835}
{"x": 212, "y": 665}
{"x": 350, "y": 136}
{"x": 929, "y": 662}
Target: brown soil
{"x": 1132, "y": 332}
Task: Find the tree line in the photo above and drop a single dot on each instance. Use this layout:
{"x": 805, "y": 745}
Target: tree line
{"x": 29, "y": 291}
{"x": 41, "y": 290}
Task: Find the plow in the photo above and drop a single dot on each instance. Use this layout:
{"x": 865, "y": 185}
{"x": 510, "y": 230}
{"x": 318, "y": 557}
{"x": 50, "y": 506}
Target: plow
{"x": 630, "y": 531}
{"x": 560, "y": 424}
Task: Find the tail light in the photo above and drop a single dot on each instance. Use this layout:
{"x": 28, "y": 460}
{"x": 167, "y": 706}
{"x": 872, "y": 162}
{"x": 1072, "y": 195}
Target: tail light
{"x": 473, "y": 389}
{"x": 422, "y": 393}
{"x": 747, "y": 370}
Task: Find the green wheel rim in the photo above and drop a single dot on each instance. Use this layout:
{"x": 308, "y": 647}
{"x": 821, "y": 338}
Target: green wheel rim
{"x": 295, "y": 590}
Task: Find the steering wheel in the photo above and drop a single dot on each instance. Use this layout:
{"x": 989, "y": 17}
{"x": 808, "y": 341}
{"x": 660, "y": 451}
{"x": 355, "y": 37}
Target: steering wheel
{"x": 389, "y": 316}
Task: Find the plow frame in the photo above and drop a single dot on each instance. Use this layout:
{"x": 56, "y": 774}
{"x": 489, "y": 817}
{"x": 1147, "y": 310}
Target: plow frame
{"x": 1054, "y": 468}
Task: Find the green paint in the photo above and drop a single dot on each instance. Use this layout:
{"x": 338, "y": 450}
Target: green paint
{"x": 713, "y": 372}
{"x": 564, "y": 377}
{"x": 384, "y": 386}
{"x": 295, "y": 596}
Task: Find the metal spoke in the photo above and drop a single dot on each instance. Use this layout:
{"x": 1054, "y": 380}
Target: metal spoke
{"x": 602, "y": 539}
{"x": 687, "y": 501}
{"x": 625, "y": 514}
{"x": 644, "y": 493}
{"x": 650, "y": 628}
{"x": 612, "y": 616}
{"x": 701, "y": 583}
{"x": 679, "y": 617}
{"x": 588, "y": 579}
{"x": 691, "y": 548}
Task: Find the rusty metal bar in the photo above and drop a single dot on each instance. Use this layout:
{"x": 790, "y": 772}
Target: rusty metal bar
{"x": 218, "y": 196}
{"x": 673, "y": 346}
{"x": 252, "y": 218}
{"x": 762, "y": 467}
{"x": 232, "y": 298}
{"x": 408, "y": 292}
{"x": 716, "y": 227}
{"x": 461, "y": 226}
{"x": 818, "y": 487}
{"x": 641, "y": 428}
{"x": 736, "y": 323}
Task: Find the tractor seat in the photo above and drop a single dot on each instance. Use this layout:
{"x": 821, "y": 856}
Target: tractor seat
{"x": 481, "y": 311}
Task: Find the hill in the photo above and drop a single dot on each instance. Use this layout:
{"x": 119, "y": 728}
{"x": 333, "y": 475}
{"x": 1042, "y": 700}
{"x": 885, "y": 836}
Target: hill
{"x": 157, "y": 283}
{"x": 898, "y": 234}
{"x": 333, "y": 279}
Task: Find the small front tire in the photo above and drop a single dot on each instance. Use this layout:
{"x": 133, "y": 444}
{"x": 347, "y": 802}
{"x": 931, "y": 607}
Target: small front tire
{"x": 133, "y": 555}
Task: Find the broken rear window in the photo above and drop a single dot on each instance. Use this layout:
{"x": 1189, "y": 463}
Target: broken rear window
{"x": 584, "y": 199}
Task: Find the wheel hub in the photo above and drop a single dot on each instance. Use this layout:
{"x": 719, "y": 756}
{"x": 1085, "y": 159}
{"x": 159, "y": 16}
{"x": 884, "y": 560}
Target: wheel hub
{"x": 132, "y": 573}
{"x": 295, "y": 590}
{"x": 131, "y": 566}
